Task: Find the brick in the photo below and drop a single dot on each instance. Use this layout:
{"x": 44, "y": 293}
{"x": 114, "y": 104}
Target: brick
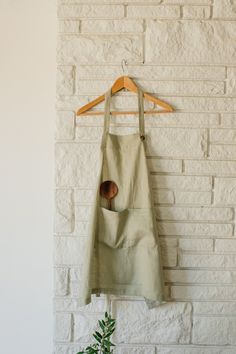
{"x": 64, "y": 211}
{"x": 196, "y": 245}
{"x": 74, "y": 163}
{"x": 203, "y": 104}
{"x": 198, "y": 276}
{"x": 68, "y": 26}
{"x": 194, "y": 2}
{"x": 176, "y": 142}
{"x": 224, "y": 9}
{"x": 164, "y": 165}
{"x": 196, "y": 12}
{"x": 193, "y": 213}
{"x": 225, "y": 191}
{"x": 223, "y": 152}
{"x": 202, "y": 198}
{"x": 193, "y": 349}
{"x": 215, "y": 330}
{"x": 69, "y": 250}
{"x": 190, "y": 183}
{"x": 228, "y": 120}
{"x": 210, "y": 167}
{"x": 194, "y": 229}
{"x": 85, "y": 325}
{"x": 208, "y": 36}
{"x": 222, "y": 246}
{"x": 194, "y": 88}
{"x": 83, "y": 196}
{"x": 72, "y": 305}
{"x": 153, "y": 11}
{"x": 135, "y": 350}
{"x": 218, "y": 136}
{"x": 195, "y": 292}
{"x": 167, "y": 323}
{"x": 208, "y": 261}
{"x": 231, "y": 79}
{"x": 61, "y": 281}
{"x": 62, "y": 327}
{"x": 91, "y": 11}
{"x": 169, "y": 256}
{"x": 214, "y": 308}
{"x": 65, "y": 80}
{"x": 111, "y": 26}
{"x": 74, "y": 49}
{"x": 153, "y": 72}
{"x": 65, "y": 125}
{"x": 163, "y": 196}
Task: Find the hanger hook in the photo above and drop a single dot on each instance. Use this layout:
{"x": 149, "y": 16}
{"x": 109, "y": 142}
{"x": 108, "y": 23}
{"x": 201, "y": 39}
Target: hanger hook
{"x": 123, "y": 65}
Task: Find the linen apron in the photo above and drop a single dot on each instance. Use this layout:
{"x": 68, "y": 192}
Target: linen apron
{"x": 122, "y": 255}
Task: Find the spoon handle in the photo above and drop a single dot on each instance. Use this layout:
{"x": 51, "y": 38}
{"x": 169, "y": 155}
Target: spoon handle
{"x": 109, "y": 204}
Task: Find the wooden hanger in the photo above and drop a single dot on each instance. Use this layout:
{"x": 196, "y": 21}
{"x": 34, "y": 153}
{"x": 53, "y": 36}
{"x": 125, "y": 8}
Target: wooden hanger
{"x": 124, "y": 82}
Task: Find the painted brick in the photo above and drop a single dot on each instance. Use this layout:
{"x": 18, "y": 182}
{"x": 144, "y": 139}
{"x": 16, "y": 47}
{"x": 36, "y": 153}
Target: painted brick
{"x": 225, "y": 191}
{"x": 218, "y": 136}
{"x": 69, "y": 250}
{"x": 65, "y": 125}
{"x": 74, "y": 163}
{"x": 163, "y": 196}
{"x": 136, "y": 350}
{"x": 214, "y": 308}
{"x": 164, "y": 165}
{"x": 61, "y": 281}
{"x": 210, "y": 43}
{"x": 198, "y": 276}
{"x": 205, "y": 245}
{"x": 196, "y": 12}
{"x": 64, "y": 212}
{"x": 153, "y": 11}
{"x": 207, "y": 261}
{"x": 222, "y": 246}
{"x": 176, "y": 142}
{"x": 184, "y": 183}
{"x": 111, "y": 26}
{"x": 68, "y": 26}
{"x": 228, "y": 120}
{"x": 71, "y": 305}
{"x": 203, "y": 104}
{"x": 195, "y": 229}
{"x": 151, "y": 72}
{"x": 65, "y": 80}
{"x": 224, "y": 9}
{"x": 90, "y": 11}
{"x": 170, "y": 322}
{"x": 85, "y": 325}
{"x": 210, "y": 167}
{"x": 74, "y": 49}
{"x": 205, "y": 292}
{"x": 215, "y": 330}
{"x": 193, "y": 213}
{"x": 62, "y": 327}
{"x": 203, "y": 198}
{"x": 231, "y": 79}
{"x": 223, "y": 152}
{"x": 191, "y": 88}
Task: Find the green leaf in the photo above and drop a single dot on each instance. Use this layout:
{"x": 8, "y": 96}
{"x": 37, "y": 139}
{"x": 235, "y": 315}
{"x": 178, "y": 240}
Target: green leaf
{"x": 97, "y": 338}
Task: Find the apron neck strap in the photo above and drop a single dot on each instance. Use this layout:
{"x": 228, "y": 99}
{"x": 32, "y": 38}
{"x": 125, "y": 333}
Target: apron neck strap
{"x": 108, "y": 113}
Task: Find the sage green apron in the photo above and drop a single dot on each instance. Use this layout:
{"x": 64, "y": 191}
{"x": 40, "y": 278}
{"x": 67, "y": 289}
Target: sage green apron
{"x": 122, "y": 255}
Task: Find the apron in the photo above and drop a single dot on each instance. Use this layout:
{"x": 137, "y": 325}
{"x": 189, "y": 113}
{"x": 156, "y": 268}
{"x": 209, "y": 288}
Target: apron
{"x": 122, "y": 255}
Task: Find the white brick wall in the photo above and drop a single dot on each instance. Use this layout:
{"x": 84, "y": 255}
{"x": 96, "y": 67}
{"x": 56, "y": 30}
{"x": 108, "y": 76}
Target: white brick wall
{"x": 185, "y": 52}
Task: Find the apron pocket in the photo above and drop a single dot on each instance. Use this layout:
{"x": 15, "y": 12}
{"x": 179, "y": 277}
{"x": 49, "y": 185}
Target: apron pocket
{"x": 126, "y": 228}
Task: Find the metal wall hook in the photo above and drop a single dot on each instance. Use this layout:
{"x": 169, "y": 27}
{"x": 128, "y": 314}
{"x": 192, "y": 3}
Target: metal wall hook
{"x": 124, "y": 65}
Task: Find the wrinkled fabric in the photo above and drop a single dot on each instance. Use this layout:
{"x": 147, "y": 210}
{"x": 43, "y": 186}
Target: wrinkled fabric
{"x": 122, "y": 255}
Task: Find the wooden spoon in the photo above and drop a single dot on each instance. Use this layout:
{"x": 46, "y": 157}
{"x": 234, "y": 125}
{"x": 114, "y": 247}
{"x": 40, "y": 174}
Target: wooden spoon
{"x": 108, "y": 190}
